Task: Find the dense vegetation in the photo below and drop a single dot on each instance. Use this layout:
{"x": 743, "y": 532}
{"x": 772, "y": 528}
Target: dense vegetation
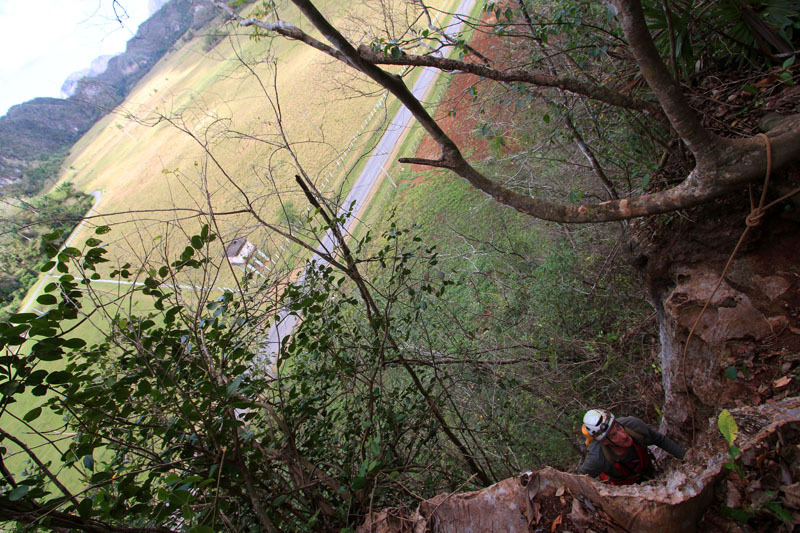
{"x": 387, "y": 385}
{"x": 451, "y": 345}
{"x": 25, "y": 221}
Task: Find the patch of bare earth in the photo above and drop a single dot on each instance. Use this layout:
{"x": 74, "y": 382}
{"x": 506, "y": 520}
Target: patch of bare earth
{"x": 460, "y": 109}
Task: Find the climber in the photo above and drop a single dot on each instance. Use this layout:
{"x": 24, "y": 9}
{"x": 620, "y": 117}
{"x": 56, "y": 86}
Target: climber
{"x": 618, "y": 452}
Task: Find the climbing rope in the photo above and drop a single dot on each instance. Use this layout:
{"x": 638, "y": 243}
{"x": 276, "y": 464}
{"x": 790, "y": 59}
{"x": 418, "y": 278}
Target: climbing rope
{"x": 752, "y": 220}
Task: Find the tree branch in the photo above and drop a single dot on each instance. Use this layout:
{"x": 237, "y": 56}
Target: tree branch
{"x": 669, "y": 94}
{"x": 587, "y": 152}
{"x": 32, "y": 513}
{"x": 722, "y": 164}
{"x": 252, "y": 493}
{"x": 540, "y": 79}
{"x": 41, "y": 465}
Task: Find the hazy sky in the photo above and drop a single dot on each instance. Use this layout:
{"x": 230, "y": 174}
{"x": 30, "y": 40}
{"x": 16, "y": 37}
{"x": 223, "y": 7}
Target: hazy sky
{"x": 44, "y": 41}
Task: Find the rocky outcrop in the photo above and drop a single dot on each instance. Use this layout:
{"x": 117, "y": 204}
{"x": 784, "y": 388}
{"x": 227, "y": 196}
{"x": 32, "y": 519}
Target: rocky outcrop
{"x": 743, "y": 355}
{"x": 35, "y": 130}
{"x": 98, "y": 66}
{"x": 746, "y": 339}
{"x": 549, "y": 500}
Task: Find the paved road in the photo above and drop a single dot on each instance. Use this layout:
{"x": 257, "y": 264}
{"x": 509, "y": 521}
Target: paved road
{"x": 373, "y": 171}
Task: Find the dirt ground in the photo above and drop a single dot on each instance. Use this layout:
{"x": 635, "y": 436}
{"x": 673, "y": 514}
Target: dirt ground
{"x": 459, "y": 112}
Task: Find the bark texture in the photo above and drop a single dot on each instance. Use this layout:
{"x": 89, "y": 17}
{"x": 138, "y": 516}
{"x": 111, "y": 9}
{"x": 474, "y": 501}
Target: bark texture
{"x": 751, "y": 323}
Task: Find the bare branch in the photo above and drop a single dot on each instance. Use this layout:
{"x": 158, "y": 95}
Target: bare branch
{"x": 540, "y": 79}
{"x": 722, "y": 164}
{"x": 35, "y": 458}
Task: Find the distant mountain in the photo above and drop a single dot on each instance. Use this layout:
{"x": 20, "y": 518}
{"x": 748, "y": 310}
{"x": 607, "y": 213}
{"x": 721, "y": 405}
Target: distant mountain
{"x": 98, "y": 66}
{"x": 34, "y": 132}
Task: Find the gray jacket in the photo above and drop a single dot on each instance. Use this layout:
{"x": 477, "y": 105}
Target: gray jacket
{"x": 596, "y": 462}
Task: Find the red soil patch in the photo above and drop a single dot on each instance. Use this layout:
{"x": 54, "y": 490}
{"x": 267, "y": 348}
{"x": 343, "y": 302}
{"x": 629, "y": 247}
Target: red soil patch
{"x": 458, "y": 112}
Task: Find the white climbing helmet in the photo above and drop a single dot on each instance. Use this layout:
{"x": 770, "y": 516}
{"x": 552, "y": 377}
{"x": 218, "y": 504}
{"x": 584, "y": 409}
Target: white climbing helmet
{"x": 598, "y": 422}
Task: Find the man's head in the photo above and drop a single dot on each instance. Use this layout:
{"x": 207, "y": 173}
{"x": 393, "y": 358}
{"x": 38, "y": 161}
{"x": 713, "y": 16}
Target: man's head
{"x": 617, "y": 436}
{"x": 601, "y": 425}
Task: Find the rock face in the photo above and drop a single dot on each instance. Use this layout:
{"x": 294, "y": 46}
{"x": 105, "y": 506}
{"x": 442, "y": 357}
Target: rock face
{"x": 549, "y": 500}
{"x": 749, "y": 326}
{"x": 743, "y": 355}
{"x": 98, "y": 66}
{"x": 37, "y": 129}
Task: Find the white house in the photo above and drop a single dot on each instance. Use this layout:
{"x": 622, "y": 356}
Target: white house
{"x": 239, "y": 250}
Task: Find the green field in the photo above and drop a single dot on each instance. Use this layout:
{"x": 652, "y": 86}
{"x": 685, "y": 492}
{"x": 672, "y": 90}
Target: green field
{"x": 146, "y": 167}
{"x": 141, "y": 161}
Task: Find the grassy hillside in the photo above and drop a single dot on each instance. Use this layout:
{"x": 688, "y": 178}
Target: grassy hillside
{"x": 140, "y": 159}
{"x": 146, "y": 160}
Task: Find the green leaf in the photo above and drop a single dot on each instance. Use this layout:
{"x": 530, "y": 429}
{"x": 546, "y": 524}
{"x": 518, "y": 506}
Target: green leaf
{"x": 85, "y": 508}
{"x": 546, "y": 118}
{"x": 358, "y": 483}
{"x": 58, "y": 377}
{"x": 737, "y": 514}
{"x": 71, "y": 252}
{"x": 50, "y": 250}
{"x": 47, "y": 267}
{"x": 233, "y": 387}
{"x": 100, "y": 477}
{"x": 74, "y": 343}
{"x": 731, "y": 372}
{"x": 36, "y": 377}
{"x": 180, "y": 497}
{"x": 9, "y": 388}
{"x": 727, "y": 425}
{"x": 47, "y": 299}
{"x": 21, "y": 318}
{"x": 56, "y": 234}
{"x": 374, "y": 466}
{"x": 197, "y": 242}
{"x": 144, "y": 387}
{"x": 50, "y": 355}
{"x": 102, "y": 230}
{"x": 33, "y": 414}
{"x": 18, "y": 493}
{"x": 789, "y": 62}
{"x": 777, "y": 508}
{"x": 91, "y": 241}
{"x": 187, "y": 512}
